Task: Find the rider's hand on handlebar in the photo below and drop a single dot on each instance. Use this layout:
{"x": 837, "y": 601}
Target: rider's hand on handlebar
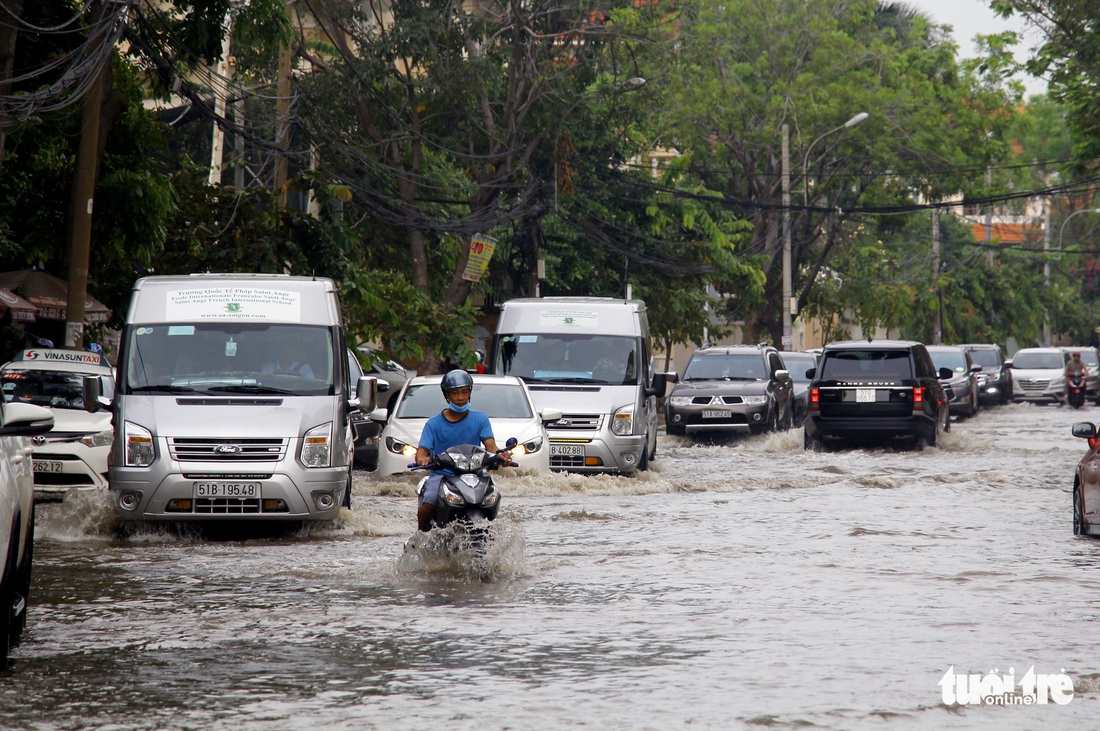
{"x": 423, "y": 459}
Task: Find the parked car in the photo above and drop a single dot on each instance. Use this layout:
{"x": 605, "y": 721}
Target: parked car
{"x": 961, "y": 388}
{"x": 73, "y": 456}
{"x": 1092, "y": 361}
{"x": 18, "y": 422}
{"x": 995, "y": 378}
{"x": 1086, "y": 482}
{"x": 504, "y": 399}
{"x": 881, "y": 391}
{"x": 734, "y": 388}
{"x": 798, "y": 363}
{"x": 1038, "y": 375}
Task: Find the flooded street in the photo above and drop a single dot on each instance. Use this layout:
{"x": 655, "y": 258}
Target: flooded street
{"x": 742, "y": 585}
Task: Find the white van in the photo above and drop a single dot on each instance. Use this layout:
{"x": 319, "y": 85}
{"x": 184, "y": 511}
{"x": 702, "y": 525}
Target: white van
{"x": 589, "y": 357}
{"x": 231, "y": 400}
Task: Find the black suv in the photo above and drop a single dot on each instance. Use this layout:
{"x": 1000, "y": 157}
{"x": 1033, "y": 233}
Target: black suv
{"x": 994, "y": 380}
{"x": 876, "y": 391}
{"x": 731, "y": 388}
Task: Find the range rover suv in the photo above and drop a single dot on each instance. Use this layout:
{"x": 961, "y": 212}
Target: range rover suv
{"x": 876, "y": 391}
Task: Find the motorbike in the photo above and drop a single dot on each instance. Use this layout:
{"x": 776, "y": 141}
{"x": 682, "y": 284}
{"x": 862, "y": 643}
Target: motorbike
{"x": 468, "y": 498}
{"x": 1075, "y": 390}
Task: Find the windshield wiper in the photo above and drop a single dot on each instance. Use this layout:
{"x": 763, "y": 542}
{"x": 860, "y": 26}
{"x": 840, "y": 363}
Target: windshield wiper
{"x": 249, "y": 388}
{"x": 162, "y": 387}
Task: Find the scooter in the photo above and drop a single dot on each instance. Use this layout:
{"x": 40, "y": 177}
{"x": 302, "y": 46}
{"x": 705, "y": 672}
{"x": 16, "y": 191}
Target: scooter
{"x": 1075, "y": 390}
{"x": 468, "y": 497}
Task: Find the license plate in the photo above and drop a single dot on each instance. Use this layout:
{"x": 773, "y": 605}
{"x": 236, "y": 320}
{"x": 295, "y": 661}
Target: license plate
{"x": 567, "y": 450}
{"x": 865, "y": 395}
{"x": 227, "y": 489}
{"x": 709, "y": 414}
{"x": 41, "y": 465}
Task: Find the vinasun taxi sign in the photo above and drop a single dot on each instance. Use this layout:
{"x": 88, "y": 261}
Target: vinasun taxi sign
{"x": 61, "y": 356}
{"x": 234, "y": 303}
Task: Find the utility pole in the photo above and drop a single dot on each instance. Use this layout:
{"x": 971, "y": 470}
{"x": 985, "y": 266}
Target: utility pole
{"x": 220, "y": 84}
{"x": 937, "y": 317}
{"x": 989, "y": 218}
{"x": 788, "y": 338}
{"x": 81, "y": 204}
{"x": 1046, "y": 266}
{"x": 282, "y": 124}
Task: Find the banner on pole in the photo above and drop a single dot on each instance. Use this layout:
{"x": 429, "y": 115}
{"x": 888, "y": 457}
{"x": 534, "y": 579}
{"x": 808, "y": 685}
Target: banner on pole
{"x": 481, "y": 251}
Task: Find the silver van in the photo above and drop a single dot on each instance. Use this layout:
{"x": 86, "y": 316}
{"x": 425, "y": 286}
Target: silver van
{"x": 232, "y": 400}
{"x": 589, "y": 357}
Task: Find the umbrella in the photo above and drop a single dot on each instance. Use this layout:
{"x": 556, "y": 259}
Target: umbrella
{"x": 50, "y": 295}
{"x": 21, "y": 309}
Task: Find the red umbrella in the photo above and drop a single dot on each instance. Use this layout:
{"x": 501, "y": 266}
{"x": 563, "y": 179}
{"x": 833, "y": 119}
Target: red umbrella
{"x": 50, "y": 295}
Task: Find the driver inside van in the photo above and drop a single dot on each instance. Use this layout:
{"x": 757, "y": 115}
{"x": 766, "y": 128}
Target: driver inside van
{"x": 288, "y": 360}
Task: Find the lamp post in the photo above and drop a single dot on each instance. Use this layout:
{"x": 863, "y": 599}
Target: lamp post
{"x": 1062, "y": 230}
{"x": 788, "y": 339}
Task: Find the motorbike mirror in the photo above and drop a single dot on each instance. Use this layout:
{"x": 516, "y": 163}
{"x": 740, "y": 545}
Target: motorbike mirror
{"x": 512, "y": 442}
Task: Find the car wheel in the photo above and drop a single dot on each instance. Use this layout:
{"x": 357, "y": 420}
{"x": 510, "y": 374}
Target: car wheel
{"x": 789, "y": 421}
{"x": 810, "y": 443}
{"x": 1080, "y": 528}
{"x": 676, "y": 431}
{"x": 7, "y": 599}
{"x": 23, "y": 580}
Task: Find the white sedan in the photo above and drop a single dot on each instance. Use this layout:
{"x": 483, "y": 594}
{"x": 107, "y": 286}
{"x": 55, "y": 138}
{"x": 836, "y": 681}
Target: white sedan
{"x": 503, "y": 398}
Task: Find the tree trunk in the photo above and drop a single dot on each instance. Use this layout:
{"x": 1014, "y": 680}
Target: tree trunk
{"x": 9, "y": 32}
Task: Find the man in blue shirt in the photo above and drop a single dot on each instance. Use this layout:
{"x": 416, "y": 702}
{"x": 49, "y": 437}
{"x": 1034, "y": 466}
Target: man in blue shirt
{"x": 456, "y": 424}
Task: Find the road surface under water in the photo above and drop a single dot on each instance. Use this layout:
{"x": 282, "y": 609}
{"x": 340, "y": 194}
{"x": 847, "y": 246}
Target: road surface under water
{"x": 749, "y": 584}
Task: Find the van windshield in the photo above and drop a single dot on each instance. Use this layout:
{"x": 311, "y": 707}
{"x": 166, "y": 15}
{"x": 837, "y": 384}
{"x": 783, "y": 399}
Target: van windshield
{"x": 542, "y": 358}
{"x": 230, "y": 357}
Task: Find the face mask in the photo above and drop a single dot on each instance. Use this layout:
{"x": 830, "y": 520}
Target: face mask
{"x": 459, "y": 409}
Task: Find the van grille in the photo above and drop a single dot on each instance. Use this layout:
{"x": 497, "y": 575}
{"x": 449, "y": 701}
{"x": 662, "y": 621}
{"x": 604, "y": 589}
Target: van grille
{"x": 576, "y": 421}
{"x": 227, "y": 505}
{"x": 227, "y": 450}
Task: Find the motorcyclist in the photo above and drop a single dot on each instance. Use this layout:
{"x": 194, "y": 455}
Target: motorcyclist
{"x": 1076, "y": 365}
{"x": 456, "y": 424}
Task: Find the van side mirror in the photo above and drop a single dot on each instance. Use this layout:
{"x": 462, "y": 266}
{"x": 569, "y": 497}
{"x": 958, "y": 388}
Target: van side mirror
{"x": 94, "y": 400}
{"x": 366, "y": 394}
{"x": 660, "y": 385}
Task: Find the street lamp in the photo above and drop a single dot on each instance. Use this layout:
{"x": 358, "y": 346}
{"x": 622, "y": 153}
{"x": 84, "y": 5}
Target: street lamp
{"x": 1062, "y": 230}
{"x": 788, "y": 340}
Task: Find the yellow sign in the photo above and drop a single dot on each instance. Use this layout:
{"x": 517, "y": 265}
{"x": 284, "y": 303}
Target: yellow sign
{"x": 481, "y": 251}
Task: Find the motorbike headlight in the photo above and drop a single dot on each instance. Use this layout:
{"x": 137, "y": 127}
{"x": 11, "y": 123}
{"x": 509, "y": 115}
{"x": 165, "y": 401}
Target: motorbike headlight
{"x": 99, "y": 439}
{"x": 755, "y": 400}
{"x": 317, "y": 446}
{"x": 450, "y": 496}
{"x": 139, "y": 445}
{"x": 679, "y": 400}
{"x": 491, "y": 498}
{"x": 623, "y": 422}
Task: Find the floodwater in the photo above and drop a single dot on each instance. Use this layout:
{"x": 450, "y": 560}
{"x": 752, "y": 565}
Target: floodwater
{"x": 748, "y": 584}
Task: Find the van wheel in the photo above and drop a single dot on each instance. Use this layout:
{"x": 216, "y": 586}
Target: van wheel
{"x": 643, "y": 463}
{"x": 347, "y": 493}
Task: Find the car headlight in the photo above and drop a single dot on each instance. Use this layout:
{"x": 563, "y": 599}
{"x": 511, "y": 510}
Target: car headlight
{"x": 529, "y": 447}
{"x": 317, "y": 446}
{"x": 755, "y": 400}
{"x": 99, "y": 439}
{"x": 396, "y": 446}
{"x": 623, "y": 421}
{"x": 1058, "y": 382}
{"x": 680, "y": 400}
{"x": 139, "y": 445}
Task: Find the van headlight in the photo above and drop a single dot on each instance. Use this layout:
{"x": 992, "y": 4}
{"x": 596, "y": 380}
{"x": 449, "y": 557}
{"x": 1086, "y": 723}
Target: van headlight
{"x": 98, "y": 439}
{"x": 317, "y": 446}
{"x": 623, "y": 421}
{"x": 139, "y": 445}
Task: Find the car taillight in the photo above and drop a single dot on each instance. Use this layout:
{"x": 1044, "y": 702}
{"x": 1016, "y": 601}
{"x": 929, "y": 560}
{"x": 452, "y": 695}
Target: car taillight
{"x": 918, "y": 397}
{"x": 815, "y": 399}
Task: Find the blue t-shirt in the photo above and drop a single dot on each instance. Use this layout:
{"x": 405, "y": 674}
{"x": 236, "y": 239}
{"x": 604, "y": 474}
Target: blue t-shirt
{"x": 439, "y": 435}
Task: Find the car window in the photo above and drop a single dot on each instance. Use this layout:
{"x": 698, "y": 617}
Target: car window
{"x": 866, "y": 363}
{"x": 568, "y": 358}
{"x": 721, "y": 366}
{"x": 985, "y": 357}
{"x": 1038, "y": 360}
{"x": 953, "y": 359}
{"x": 54, "y": 389}
{"x": 799, "y": 366}
{"x": 497, "y": 400}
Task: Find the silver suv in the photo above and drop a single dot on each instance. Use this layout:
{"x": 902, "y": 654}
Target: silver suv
{"x": 18, "y": 421}
{"x": 1037, "y": 375}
